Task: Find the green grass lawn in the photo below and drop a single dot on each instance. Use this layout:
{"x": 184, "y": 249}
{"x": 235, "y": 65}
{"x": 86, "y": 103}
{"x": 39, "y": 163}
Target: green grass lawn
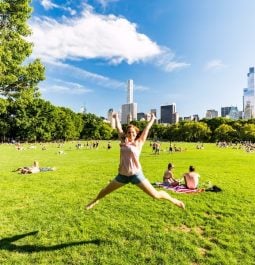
{"x": 43, "y": 221}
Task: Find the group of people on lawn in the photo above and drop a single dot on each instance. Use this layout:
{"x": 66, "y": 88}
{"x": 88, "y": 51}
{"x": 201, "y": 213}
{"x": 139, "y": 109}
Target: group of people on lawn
{"x": 130, "y": 170}
{"x": 190, "y": 178}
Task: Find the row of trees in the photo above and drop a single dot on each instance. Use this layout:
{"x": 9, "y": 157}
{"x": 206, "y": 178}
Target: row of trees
{"x": 206, "y": 130}
{"x": 39, "y": 120}
{"x": 34, "y": 119}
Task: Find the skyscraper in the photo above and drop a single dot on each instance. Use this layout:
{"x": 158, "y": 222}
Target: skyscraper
{"x": 129, "y": 110}
{"x": 141, "y": 116}
{"x": 225, "y": 111}
{"x": 249, "y": 96}
{"x": 110, "y": 118}
{"x": 128, "y": 113}
{"x": 234, "y": 113}
{"x": 168, "y": 114}
{"x": 211, "y": 113}
{"x": 130, "y": 91}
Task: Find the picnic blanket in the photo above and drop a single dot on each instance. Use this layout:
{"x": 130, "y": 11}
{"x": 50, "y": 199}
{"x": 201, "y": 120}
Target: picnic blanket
{"x": 179, "y": 188}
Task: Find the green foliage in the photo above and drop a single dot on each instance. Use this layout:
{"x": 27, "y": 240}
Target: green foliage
{"x": 214, "y": 123}
{"x": 68, "y": 125}
{"x": 224, "y": 132}
{"x": 158, "y": 131}
{"x": 3, "y": 106}
{"x": 15, "y": 76}
{"x": 105, "y": 131}
{"x": 171, "y": 133}
{"x": 195, "y": 131}
{"x": 34, "y": 119}
{"x": 248, "y": 132}
{"x": 94, "y": 128}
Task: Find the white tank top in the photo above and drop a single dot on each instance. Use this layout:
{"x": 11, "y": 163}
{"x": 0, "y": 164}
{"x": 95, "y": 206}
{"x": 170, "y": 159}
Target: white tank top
{"x": 129, "y": 158}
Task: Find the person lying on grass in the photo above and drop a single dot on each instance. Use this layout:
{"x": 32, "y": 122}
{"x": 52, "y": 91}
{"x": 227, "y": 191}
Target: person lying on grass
{"x": 34, "y": 169}
{"x": 130, "y": 169}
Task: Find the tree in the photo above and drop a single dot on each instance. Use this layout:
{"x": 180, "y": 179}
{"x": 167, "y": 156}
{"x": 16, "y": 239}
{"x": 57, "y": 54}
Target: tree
{"x": 157, "y": 131}
{"x": 15, "y": 76}
{"x": 225, "y": 132}
{"x": 172, "y": 133}
{"x": 67, "y": 123}
{"x": 91, "y": 125}
{"x": 195, "y": 131}
{"x": 4, "y": 125}
{"x": 95, "y": 128}
{"x": 214, "y": 123}
{"x": 238, "y": 125}
{"x": 105, "y": 131}
{"x": 25, "y": 113}
{"x": 248, "y": 132}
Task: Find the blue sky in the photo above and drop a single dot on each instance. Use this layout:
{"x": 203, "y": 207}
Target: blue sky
{"x": 195, "y": 53}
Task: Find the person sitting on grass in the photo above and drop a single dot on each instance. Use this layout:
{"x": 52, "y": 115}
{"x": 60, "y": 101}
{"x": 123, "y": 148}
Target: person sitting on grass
{"x": 130, "y": 169}
{"x": 191, "y": 178}
{"x": 168, "y": 178}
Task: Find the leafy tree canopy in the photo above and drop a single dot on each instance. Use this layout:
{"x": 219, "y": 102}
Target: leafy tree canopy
{"x": 15, "y": 76}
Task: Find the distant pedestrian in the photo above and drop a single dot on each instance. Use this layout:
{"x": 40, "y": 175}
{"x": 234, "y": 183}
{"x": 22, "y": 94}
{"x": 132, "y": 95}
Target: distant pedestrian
{"x": 109, "y": 145}
{"x": 157, "y": 148}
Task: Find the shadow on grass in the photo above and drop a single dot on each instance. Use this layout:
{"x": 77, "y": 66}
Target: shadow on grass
{"x": 7, "y": 244}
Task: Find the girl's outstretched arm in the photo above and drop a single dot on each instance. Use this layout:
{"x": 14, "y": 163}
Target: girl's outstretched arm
{"x": 145, "y": 132}
{"x": 117, "y": 123}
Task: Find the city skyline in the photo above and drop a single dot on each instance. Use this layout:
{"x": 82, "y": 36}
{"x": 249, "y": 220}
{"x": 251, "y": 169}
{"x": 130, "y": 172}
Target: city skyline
{"x": 249, "y": 96}
{"x": 168, "y": 112}
{"x": 174, "y": 51}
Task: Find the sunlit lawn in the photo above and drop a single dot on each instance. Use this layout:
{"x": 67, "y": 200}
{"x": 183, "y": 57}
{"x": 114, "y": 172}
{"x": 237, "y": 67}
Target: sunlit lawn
{"x": 43, "y": 221}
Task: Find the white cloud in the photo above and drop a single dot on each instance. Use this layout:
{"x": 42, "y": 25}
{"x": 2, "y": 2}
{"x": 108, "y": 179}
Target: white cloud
{"x": 104, "y": 3}
{"x": 85, "y": 76}
{"x": 63, "y": 87}
{"x": 70, "y": 10}
{"x": 91, "y": 36}
{"x": 215, "y": 64}
{"x": 95, "y": 36}
{"x": 48, "y": 4}
{"x": 167, "y": 61}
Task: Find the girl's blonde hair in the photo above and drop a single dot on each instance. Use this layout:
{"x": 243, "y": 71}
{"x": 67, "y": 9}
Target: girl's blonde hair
{"x": 134, "y": 127}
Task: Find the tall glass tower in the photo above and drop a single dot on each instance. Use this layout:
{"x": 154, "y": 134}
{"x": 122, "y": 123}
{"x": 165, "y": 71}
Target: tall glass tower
{"x": 130, "y": 91}
{"x": 129, "y": 110}
{"x": 249, "y": 96}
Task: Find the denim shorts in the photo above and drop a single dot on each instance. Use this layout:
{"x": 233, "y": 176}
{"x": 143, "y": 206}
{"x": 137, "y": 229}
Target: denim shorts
{"x": 134, "y": 179}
